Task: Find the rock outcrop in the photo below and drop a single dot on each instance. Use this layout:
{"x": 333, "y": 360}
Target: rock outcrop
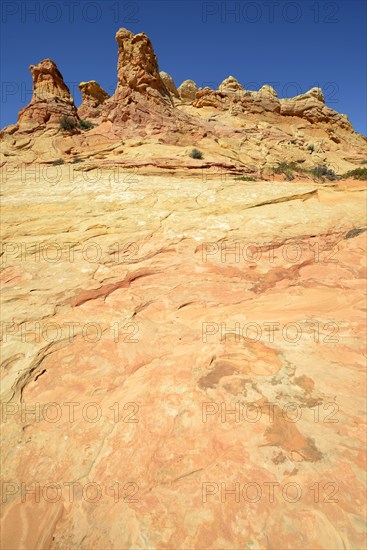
{"x": 187, "y": 90}
{"x": 206, "y": 97}
{"x": 169, "y": 83}
{"x": 231, "y": 85}
{"x": 146, "y": 104}
{"x": 267, "y": 90}
{"x": 51, "y": 97}
{"x": 316, "y": 93}
{"x": 93, "y": 97}
{"x": 141, "y": 96}
{"x": 232, "y": 97}
{"x": 311, "y": 106}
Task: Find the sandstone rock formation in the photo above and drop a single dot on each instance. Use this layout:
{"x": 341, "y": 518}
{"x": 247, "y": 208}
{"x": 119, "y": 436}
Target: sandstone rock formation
{"x": 247, "y": 130}
{"x": 188, "y": 89}
{"x": 169, "y": 83}
{"x": 230, "y": 85}
{"x": 316, "y": 93}
{"x": 141, "y": 96}
{"x": 93, "y": 96}
{"x": 206, "y": 97}
{"x": 311, "y": 106}
{"x": 51, "y": 97}
{"x": 232, "y": 97}
{"x": 267, "y": 90}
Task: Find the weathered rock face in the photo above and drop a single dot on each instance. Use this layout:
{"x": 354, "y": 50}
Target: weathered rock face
{"x": 141, "y": 95}
{"x": 169, "y": 83}
{"x": 93, "y": 96}
{"x": 188, "y": 89}
{"x": 51, "y": 97}
{"x": 206, "y": 97}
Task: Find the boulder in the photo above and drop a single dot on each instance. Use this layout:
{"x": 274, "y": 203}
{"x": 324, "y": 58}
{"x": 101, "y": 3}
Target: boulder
{"x": 188, "y": 90}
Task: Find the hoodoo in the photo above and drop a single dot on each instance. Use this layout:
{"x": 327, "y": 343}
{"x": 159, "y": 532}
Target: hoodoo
{"x": 141, "y": 96}
{"x": 51, "y": 97}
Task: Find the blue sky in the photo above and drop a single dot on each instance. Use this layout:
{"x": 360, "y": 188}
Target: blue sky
{"x": 291, "y": 45}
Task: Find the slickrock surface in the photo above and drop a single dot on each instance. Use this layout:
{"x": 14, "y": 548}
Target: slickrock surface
{"x": 137, "y": 315}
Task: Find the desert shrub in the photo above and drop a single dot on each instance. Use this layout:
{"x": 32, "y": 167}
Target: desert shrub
{"x": 323, "y": 171}
{"x": 76, "y": 160}
{"x": 67, "y": 124}
{"x": 245, "y": 178}
{"x": 311, "y": 148}
{"x": 85, "y": 124}
{"x": 58, "y": 162}
{"x": 289, "y": 176}
{"x": 357, "y": 174}
{"x": 287, "y": 169}
{"x": 355, "y": 232}
{"x": 196, "y": 154}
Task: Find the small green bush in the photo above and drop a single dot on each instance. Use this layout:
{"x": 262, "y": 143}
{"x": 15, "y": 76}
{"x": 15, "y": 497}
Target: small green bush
{"x": 76, "y": 160}
{"x": 58, "y": 162}
{"x": 355, "y": 232}
{"x": 311, "y": 148}
{"x": 357, "y": 174}
{"x": 323, "y": 171}
{"x": 85, "y": 124}
{"x": 67, "y": 124}
{"x": 245, "y": 178}
{"x": 196, "y": 154}
{"x": 287, "y": 169}
{"x": 289, "y": 176}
